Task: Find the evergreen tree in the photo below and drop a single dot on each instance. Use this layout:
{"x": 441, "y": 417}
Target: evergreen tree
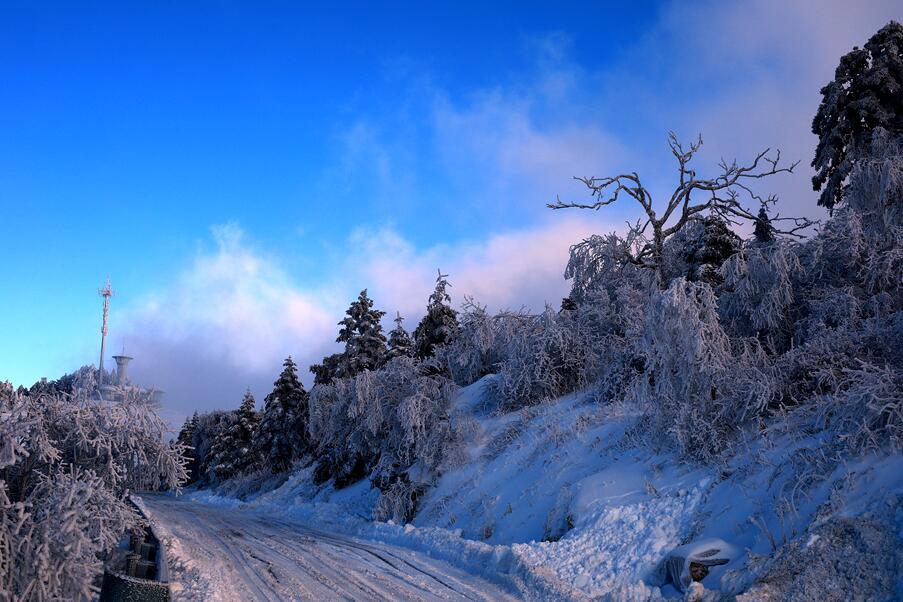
{"x": 328, "y": 369}
{"x": 186, "y": 438}
{"x": 365, "y": 343}
{"x": 400, "y": 342}
{"x": 362, "y": 333}
{"x": 282, "y": 436}
{"x": 232, "y": 448}
{"x": 440, "y": 324}
{"x": 763, "y": 232}
{"x": 866, "y": 94}
{"x": 705, "y": 254}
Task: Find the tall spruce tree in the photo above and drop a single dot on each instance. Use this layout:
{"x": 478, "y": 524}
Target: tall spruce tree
{"x": 362, "y": 333}
{"x": 440, "y": 324}
{"x": 282, "y": 435}
{"x": 400, "y": 342}
{"x": 232, "y": 453}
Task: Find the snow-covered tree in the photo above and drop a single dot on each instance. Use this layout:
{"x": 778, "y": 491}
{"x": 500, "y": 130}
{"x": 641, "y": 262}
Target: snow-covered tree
{"x": 721, "y": 195}
{"x": 392, "y": 423}
{"x": 440, "y": 324}
{"x": 362, "y": 333}
{"x": 328, "y": 369}
{"x": 865, "y": 95}
{"x": 697, "y": 386}
{"x": 232, "y": 449}
{"x": 602, "y": 262}
{"x": 185, "y": 438}
{"x": 757, "y": 295}
{"x": 699, "y": 249}
{"x": 400, "y": 342}
{"x": 66, "y": 463}
{"x": 365, "y": 343}
{"x": 281, "y": 438}
{"x": 209, "y": 427}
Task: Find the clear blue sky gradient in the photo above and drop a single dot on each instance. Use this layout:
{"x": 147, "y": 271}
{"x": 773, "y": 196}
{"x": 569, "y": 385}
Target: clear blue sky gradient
{"x": 127, "y": 129}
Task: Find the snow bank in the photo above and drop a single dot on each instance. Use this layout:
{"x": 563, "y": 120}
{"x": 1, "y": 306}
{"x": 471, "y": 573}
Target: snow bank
{"x": 561, "y": 501}
{"x": 339, "y": 511}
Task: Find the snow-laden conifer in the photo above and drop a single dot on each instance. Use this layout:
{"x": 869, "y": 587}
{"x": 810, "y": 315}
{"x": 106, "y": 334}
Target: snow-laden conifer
{"x": 232, "y": 449}
{"x": 440, "y": 324}
{"x": 400, "y": 342}
{"x": 281, "y": 438}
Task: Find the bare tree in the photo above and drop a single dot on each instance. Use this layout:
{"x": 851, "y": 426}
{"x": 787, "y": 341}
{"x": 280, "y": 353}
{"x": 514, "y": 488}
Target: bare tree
{"x": 720, "y": 196}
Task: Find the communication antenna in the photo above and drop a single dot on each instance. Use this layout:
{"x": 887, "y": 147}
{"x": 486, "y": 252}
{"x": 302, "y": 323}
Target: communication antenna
{"x": 106, "y": 292}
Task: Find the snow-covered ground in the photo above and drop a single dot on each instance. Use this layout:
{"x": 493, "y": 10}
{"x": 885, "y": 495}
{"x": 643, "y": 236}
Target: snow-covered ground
{"x": 225, "y": 554}
{"x": 562, "y": 501}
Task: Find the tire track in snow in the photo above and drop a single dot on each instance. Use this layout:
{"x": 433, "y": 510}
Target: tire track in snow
{"x": 249, "y": 556}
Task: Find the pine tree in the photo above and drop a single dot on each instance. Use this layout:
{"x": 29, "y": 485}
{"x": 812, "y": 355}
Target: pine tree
{"x": 865, "y": 95}
{"x": 715, "y": 244}
{"x": 400, "y": 342}
{"x": 763, "y": 232}
{"x": 282, "y": 435}
{"x": 326, "y": 371}
{"x": 232, "y": 449}
{"x": 440, "y": 324}
{"x": 362, "y": 333}
{"x": 186, "y": 438}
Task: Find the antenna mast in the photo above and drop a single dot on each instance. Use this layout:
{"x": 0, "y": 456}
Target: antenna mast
{"x": 106, "y": 292}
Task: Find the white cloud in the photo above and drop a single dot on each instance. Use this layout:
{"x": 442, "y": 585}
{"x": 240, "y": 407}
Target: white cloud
{"x": 234, "y": 313}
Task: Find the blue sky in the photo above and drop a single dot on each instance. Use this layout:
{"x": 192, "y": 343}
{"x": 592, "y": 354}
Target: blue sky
{"x": 241, "y": 170}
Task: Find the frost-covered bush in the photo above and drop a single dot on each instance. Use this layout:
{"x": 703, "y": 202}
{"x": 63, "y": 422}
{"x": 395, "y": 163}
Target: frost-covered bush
{"x": 394, "y": 424}
{"x": 697, "y": 386}
{"x": 875, "y": 187}
{"x": 58, "y": 535}
{"x": 66, "y": 464}
{"x": 864, "y": 406}
{"x": 545, "y": 358}
{"x": 757, "y": 294}
{"x": 481, "y": 343}
{"x": 601, "y": 262}
{"x": 121, "y": 442}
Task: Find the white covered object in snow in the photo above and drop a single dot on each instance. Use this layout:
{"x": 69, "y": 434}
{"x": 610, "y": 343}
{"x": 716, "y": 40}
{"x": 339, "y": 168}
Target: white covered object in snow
{"x": 706, "y": 553}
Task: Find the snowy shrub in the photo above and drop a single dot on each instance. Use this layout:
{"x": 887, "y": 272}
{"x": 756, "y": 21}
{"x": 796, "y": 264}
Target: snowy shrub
{"x": 545, "y": 359}
{"x": 875, "y": 187}
{"x": 698, "y": 388}
{"x": 394, "y": 423}
{"x": 847, "y": 252}
{"x": 121, "y": 442}
{"x": 599, "y": 261}
{"x": 829, "y": 310}
{"x": 757, "y": 293}
{"x": 481, "y": 343}
{"x": 398, "y": 501}
{"x": 864, "y": 406}
{"x": 59, "y": 536}
{"x": 66, "y": 463}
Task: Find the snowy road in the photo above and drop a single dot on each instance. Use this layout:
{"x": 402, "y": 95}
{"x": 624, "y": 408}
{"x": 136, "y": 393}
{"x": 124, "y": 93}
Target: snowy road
{"x": 225, "y": 554}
